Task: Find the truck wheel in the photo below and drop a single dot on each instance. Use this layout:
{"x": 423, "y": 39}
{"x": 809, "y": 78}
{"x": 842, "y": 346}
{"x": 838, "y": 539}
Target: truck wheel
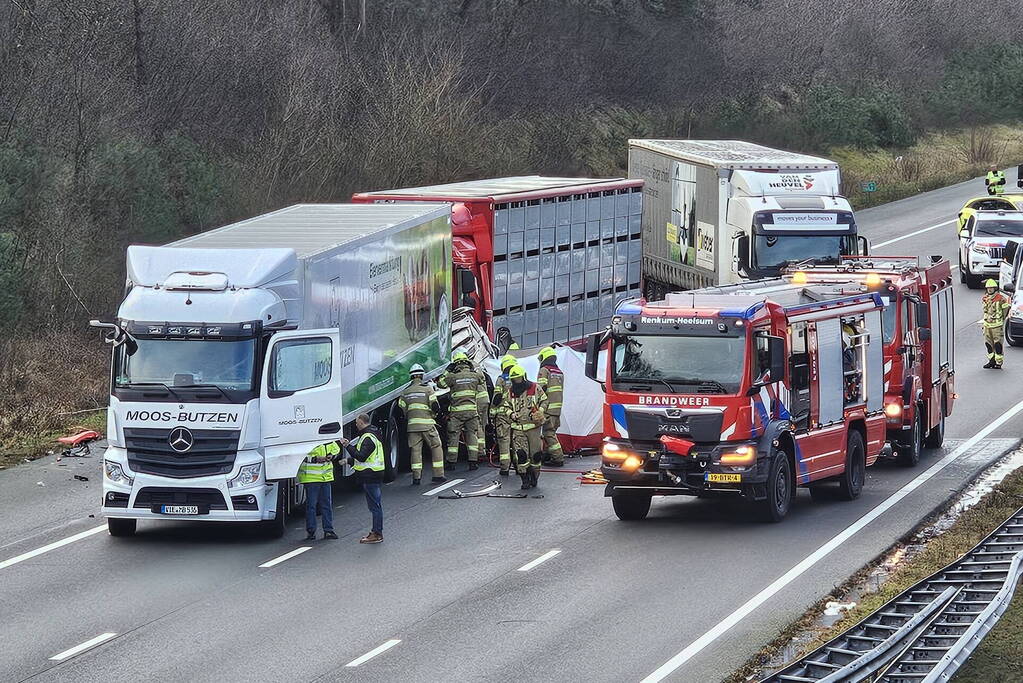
{"x": 775, "y": 507}
{"x": 275, "y": 528}
{"x": 634, "y": 506}
{"x": 936, "y": 436}
{"x": 121, "y": 527}
{"x": 850, "y": 483}
{"x": 909, "y": 454}
{"x": 392, "y": 451}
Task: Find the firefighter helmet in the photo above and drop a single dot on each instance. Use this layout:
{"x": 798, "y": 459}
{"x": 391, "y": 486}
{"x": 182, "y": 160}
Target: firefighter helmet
{"x": 459, "y": 356}
{"x": 417, "y": 369}
{"x": 517, "y": 372}
{"x": 545, "y": 353}
{"x": 991, "y": 284}
{"x": 508, "y": 361}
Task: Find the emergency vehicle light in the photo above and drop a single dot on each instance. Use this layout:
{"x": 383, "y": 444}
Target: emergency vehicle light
{"x": 873, "y": 279}
{"x": 799, "y": 278}
{"x": 743, "y": 455}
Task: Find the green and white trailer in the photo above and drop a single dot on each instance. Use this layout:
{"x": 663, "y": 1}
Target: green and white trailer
{"x": 238, "y": 350}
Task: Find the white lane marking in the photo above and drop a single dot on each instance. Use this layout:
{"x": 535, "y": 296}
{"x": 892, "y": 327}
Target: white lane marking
{"x": 543, "y": 558}
{"x": 373, "y": 653}
{"x": 453, "y": 482}
{"x": 77, "y": 649}
{"x": 816, "y": 556}
{"x": 52, "y": 546}
{"x": 285, "y": 556}
{"x": 912, "y": 234}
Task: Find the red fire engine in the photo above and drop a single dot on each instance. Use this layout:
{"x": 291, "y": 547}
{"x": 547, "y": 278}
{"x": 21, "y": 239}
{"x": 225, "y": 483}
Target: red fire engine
{"x": 752, "y": 389}
{"x": 918, "y": 335}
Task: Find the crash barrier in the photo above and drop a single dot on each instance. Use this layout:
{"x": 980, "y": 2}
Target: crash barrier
{"x": 928, "y": 631}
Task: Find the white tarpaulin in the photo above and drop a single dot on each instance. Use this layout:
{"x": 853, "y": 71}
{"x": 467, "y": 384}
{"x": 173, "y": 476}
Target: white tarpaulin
{"x": 583, "y": 404}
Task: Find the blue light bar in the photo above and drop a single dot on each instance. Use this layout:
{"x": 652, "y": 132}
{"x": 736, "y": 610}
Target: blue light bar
{"x": 744, "y": 313}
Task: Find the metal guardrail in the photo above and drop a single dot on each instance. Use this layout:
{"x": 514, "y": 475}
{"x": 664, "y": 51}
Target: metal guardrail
{"x": 928, "y": 631}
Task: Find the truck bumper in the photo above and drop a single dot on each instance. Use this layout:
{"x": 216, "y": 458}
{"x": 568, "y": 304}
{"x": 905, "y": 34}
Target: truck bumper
{"x": 145, "y": 496}
{"x": 666, "y": 474}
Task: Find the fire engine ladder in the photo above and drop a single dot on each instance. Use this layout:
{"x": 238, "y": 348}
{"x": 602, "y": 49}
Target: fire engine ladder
{"x": 929, "y": 630}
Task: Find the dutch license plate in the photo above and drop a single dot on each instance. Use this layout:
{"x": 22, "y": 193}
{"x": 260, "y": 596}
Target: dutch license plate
{"x": 179, "y": 509}
{"x": 722, "y": 478}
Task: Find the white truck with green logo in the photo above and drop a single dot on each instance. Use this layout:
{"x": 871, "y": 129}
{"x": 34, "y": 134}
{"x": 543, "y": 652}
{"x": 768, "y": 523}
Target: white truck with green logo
{"x": 238, "y": 350}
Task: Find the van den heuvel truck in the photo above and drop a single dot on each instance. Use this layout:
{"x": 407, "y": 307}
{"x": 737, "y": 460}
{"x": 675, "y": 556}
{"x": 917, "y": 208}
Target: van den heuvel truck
{"x": 239, "y": 349}
{"x": 918, "y": 336}
{"x": 747, "y": 390}
{"x": 546, "y": 258}
{"x": 722, "y": 211}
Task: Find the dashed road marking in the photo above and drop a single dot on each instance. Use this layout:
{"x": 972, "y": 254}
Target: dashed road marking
{"x": 543, "y": 558}
{"x": 52, "y": 546}
{"x": 78, "y": 649}
{"x": 373, "y": 653}
{"x": 285, "y": 556}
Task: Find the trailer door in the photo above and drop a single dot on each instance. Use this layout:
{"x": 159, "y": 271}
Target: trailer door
{"x": 300, "y": 397}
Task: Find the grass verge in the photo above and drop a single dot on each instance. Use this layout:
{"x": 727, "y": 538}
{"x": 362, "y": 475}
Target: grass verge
{"x": 943, "y": 549}
{"x": 34, "y": 445}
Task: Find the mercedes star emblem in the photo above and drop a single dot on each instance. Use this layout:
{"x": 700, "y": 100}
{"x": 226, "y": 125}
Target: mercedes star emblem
{"x": 180, "y": 439}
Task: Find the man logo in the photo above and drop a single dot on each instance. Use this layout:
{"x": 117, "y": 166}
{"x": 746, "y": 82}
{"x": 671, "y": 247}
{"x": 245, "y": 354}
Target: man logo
{"x": 180, "y": 439}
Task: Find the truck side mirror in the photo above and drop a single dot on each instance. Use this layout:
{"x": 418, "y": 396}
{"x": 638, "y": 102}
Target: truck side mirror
{"x": 592, "y": 355}
{"x": 740, "y": 258}
{"x": 776, "y": 347}
{"x": 863, "y": 245}
{"x": 466, "y": 281}
{"x": 922, "y": 314}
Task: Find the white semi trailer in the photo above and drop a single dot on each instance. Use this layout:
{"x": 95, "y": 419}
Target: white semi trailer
{"x": 723, "y": 211}
{"x": 239, "y": 349}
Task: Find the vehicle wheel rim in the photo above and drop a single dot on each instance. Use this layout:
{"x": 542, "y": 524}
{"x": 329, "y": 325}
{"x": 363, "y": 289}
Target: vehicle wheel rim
{"x": 781, "y": 489}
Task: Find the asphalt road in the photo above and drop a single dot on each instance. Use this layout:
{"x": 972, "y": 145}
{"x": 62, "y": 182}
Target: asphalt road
{"x": 618, "y": 601}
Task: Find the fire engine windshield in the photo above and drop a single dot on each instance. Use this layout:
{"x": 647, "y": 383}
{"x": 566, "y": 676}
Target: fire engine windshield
{"x": 183, "y": 363}
{"x": 771, "y": 252}
{"x": 684, "y": 363}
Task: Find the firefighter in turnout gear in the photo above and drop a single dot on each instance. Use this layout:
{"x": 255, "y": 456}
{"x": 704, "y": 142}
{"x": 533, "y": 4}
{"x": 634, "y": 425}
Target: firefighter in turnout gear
{"x": 528, "y": 405}
{"x": 482, "y": 410}
{"x": 419, "y": 405}
{"x": 996, "y": 310}
{"x": 501, "y": 412}
{"x": 463, "y": 416}
{"x": 995, "y": 180}
{"x": 552, "y": 381}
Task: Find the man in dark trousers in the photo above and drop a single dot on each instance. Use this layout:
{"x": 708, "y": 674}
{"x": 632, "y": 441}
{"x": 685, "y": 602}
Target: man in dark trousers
{"x": 366, "y": 457}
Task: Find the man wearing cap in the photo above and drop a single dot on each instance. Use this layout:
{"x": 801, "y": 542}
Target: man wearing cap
{"x": 552, "y": 381}
{"x": 996, "y": 310}
{"x": 419, "y": 403}
{"x": 528, "y": 404}
{"x": 461, "y": 379}
{"x": 500, "y": 412}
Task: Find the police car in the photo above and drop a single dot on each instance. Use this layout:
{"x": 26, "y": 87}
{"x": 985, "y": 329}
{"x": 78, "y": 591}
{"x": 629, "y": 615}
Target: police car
{"x": 982, "y": 242}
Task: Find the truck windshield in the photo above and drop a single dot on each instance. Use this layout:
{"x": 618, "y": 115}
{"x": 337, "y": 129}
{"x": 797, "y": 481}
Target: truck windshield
{"x": 771, "y": 252}
{"x": 709, "y": 364}
{"x": 225, "y": 364}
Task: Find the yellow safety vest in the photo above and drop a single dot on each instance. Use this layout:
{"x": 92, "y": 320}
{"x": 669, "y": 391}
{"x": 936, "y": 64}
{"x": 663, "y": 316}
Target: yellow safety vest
{"x": 317, "y": 472}
{"x": 375, "y": 461}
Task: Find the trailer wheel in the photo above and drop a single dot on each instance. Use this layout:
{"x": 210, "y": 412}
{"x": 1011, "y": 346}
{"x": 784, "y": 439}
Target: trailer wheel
{"x": 936, "y": 436}
{"x": 780, "y": 483}
{"x": 121, "y": 528}
{"x": 274, "y": 528}
{"x": 909, "y": 454}
{"x": 850, "y": 483}
{"x": 631, "y": 507}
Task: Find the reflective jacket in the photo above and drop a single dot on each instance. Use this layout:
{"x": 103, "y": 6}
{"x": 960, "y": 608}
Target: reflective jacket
{"x": 995, "y": 182}
{"x": 418, "y": 404}
{"x": 551, "y": 379}
{"x": 500, "y": 406}
{"x": 316, "y": 472}
{"x": 482, "y": 395}
{"x": 527, "y": 408}
{"x": 463, "y": 383}
{"x": 996, "y": 309}
{"x": 368, "y": 452}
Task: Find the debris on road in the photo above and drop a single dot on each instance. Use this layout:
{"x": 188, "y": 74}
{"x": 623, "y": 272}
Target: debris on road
{"x": 39, "y": 483}
{"x": 507, "y": 495}
{"x": 79, "y": 477}
{"x": 494, "y": 485}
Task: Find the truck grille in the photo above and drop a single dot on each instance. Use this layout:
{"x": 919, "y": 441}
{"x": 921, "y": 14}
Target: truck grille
{"x": 157, "y": 495}
{"x": 212, "y": 452}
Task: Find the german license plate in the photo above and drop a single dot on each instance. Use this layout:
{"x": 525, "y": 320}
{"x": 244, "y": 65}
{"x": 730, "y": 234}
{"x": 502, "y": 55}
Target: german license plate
{"x": 179, "y": 509}
{"x": 722, "y": 478}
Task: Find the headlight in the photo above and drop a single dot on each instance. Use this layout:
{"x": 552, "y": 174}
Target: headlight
{"x": 115, "y": 474}
{"x": 979, "y": 249}
{"x": 743, "y": 455}
{"x": 1016, "y": 310}
{"x": 247, "y": 475}
{"x": 893, "y": 411}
